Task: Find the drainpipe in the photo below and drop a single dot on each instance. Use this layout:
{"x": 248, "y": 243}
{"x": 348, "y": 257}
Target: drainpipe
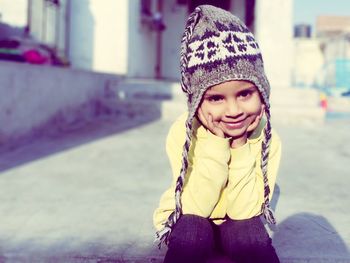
{"x": 158, "y": 72}
{"x": 67, "y": 31}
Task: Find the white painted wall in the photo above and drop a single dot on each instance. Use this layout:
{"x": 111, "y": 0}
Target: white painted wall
{"x": 274, "y": 33}
{"x": 111, "y": 35}
{"x": 14, "y": 12}
{"x": 99, "y": 35}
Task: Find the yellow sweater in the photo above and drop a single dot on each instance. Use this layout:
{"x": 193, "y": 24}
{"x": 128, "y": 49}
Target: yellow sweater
{"x": 220, "y": 180}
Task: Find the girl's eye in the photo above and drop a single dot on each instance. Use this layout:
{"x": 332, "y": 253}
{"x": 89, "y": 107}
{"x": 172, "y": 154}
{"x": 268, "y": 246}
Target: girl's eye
{"x": 215, "y": 98}
{"x": 245, "y": 94}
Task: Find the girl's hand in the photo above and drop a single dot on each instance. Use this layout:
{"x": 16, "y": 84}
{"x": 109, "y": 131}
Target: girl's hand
{"x": 211, "y": 125}
{"x": 237, "y": 142}
{"x": 256, "y": 122}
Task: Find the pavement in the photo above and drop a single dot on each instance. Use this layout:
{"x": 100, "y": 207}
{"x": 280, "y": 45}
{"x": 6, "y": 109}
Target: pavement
{"x": 87, "y": 194}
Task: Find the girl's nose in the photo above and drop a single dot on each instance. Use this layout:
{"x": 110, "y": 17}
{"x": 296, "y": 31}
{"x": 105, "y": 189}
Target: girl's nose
{"x": 233, "y": 109}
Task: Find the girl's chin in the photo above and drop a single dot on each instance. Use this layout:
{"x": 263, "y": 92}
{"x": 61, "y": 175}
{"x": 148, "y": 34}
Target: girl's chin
{"x": 234, "y": 134}
{"x": 234, "y": 130}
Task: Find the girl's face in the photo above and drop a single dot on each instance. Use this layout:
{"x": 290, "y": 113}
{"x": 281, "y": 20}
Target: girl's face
{"x": 235, "y": 107}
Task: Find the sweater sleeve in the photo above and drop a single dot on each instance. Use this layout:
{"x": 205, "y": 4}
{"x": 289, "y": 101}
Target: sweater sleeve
{"x": 245, "y": 186}
{"x": 207, "y": 173}
{"x": 206, "y": 176}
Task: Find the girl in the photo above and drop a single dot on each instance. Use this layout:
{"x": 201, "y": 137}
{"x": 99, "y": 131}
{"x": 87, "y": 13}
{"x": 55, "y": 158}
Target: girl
{"x": 223, "y": 152}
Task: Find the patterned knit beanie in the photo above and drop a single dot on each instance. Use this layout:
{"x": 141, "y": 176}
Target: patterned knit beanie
{"x": 217, "y": 47}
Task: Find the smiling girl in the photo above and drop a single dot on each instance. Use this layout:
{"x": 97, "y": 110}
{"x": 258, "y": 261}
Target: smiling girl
{"x": 223, "y": 153}
{"x": 231, "y": 109}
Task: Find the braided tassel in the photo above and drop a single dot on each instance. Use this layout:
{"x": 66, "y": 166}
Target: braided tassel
{"x": 163, "y": 235}
{"x": 265, "y": 208}
{"x": 268, "y": 214}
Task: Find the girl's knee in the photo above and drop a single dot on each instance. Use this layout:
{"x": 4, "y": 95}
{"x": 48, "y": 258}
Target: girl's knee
{"x": 247, "y": 245}
{"x": 246, "y": 238}
{"x": 253, "y": 250}
{"x": 192, "y": 237}
{"x": 192, "y": 231}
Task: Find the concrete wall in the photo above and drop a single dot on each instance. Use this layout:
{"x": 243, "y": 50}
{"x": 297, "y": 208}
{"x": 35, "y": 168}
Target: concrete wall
{"x": 141, "y": 44}
{"x": 81, "y": 35}
{"x": 32, "y": 95}
{"x": 274, "y": 32}
{"x": 175, "y": 18}
{"x": 36, "y": 19}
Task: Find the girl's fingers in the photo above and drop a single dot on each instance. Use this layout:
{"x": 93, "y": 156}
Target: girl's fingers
{"x": 209, "y": 123}
{"x": 254, "y": 124}
{"x": 214, "y": 128}
{"x": 202, "y": 117}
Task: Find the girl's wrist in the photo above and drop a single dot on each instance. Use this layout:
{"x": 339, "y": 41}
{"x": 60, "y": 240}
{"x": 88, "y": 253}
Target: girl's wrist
{"x": 236, "y": 143}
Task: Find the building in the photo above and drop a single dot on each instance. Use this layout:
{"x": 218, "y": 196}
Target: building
{"x": 334, "y": 35}
{"x": 330, "y": 26}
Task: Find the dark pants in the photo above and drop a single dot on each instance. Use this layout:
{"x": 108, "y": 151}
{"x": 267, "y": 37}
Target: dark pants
{"x": 197, "y": 239}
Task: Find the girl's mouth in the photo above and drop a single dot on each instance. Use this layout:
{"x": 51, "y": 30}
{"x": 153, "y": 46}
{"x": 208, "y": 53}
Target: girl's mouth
{"x": 233, "y": 125}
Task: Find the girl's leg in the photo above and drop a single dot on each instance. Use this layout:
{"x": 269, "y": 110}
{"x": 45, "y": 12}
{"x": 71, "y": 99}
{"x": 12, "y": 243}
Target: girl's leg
{"x": 192, "y": 240}
{"x": 247, "y": 241}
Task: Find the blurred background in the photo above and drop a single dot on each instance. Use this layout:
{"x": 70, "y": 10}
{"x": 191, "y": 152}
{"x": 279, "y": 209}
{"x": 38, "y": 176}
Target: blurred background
{"x": 88, "y": 88}
{"x": 305, "y": 48}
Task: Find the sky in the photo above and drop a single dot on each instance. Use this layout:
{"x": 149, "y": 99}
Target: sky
{"x": 306, "y": 11}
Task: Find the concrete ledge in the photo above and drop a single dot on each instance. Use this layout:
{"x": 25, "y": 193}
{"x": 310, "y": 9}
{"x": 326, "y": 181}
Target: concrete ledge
{"x": 33, "y": 94}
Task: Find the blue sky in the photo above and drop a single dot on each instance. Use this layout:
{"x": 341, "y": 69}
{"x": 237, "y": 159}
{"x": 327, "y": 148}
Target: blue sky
{"x": 306, "y": 11}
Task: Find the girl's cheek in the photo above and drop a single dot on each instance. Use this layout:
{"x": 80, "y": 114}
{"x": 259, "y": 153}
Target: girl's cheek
{"x": 215, "y": 113}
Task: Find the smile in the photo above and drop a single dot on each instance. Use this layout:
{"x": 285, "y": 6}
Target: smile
{"x": 233, "y": 125}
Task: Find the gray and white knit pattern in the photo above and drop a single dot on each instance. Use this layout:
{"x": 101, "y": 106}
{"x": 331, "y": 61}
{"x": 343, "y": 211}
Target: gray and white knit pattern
{"x": 217, "y": 47}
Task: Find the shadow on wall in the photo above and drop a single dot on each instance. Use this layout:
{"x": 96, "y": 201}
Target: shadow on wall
{"x": 306, "y": 237}
{"x": 104, "y": 115}
{"x": 81, "y": 34}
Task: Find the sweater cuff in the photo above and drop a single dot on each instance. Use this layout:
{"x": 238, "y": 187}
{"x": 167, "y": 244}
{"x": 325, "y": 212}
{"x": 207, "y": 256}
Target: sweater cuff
{"x": 214, "y": 147}
{"x": 217, "y": 143}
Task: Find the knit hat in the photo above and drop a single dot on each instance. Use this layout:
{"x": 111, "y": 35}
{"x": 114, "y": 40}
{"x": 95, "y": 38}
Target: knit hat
{"x": 217, "y": 47}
